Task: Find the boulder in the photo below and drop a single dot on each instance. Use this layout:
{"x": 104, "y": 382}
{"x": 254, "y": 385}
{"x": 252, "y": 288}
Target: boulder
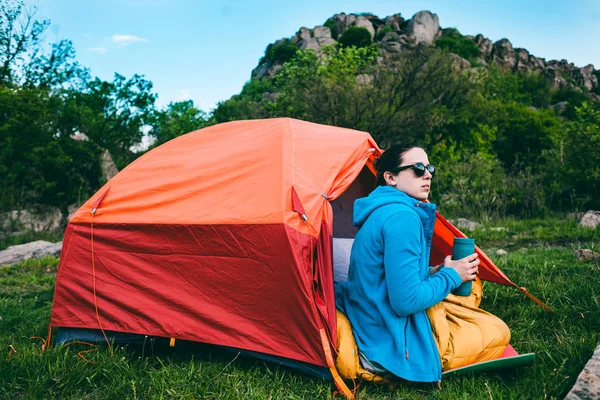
{"x": 587, "y": 385}
{"x": 364, "y": 79}
{"x": 310, "y": 44}
{"x": 37, "y": 249}
{"x": 587, "y": 255}
{"x": 301, "y": 35}
{"x": 560, "y": 107}
{"x": 424, "y": 26}
{"x": 585, "y": 77}
{"x": 503, "y": 54}
{"x": 322, "y": 32}
{"x": 485, "y": 45}
{"x": 459, "y": 63}
{"x": 555, "y": 78}
{"x": 109, "y": 169}
{"x": 342, "y": 22}
{"x": 522, "y": 57}
{"x": 590, "y": 219}
{"x": 394, "y": 21}
{"x": 536, "y": 63}
{"x": 29, "y": 220}
{"x": 463, "y": 223}
{"x": 501, "y": 252}
{"x": 365, "y": 23}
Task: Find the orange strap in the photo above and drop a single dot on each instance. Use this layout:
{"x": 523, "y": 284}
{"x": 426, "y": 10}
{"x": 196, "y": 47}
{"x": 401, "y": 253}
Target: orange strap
{"x": 337, "y": 379}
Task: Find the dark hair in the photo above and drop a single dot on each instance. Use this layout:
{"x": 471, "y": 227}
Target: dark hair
{"x": 390, "y": 159}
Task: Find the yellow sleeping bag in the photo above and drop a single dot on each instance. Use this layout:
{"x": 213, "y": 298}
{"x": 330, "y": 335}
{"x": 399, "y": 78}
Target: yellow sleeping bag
{"x": 464, "y": 335}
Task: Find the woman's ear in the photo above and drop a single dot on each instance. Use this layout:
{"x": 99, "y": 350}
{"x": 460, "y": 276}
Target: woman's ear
{"x": 390, "y": 179}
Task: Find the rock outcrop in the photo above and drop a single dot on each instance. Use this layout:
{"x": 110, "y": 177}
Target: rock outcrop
{"x": 394, "y": 34}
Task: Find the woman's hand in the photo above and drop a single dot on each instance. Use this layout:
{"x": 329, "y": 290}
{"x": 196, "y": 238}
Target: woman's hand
{"x": 466, "y": 267}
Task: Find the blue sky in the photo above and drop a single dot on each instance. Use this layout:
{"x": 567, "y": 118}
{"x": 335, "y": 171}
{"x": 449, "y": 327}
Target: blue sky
{"x": 206, "y": 50}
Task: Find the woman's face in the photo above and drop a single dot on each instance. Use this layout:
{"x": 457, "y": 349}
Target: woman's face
{"x": 406, "y": 181}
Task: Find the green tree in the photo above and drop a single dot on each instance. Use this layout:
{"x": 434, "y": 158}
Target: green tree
{"x": 580, "y": 160}
{"x": 112, "y": 114}
{"x": 177, "y": 119}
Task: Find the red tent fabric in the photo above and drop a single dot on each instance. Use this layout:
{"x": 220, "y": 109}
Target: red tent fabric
{"x": 223, "y": 236}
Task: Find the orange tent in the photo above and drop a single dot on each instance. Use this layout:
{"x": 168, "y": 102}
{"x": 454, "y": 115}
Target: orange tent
{"x": 223, "y": 236}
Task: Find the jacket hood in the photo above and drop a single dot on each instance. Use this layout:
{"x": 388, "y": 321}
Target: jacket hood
{"x": 384, "y": 195}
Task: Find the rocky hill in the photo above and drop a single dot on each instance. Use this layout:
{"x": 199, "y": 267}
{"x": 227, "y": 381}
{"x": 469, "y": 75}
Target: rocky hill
{"x": 394, "y": 34}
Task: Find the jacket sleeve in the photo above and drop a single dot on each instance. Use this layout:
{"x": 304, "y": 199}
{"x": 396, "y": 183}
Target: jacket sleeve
{"x": 402, "y": 253}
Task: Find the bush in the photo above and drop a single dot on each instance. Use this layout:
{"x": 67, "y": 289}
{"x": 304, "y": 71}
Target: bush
{"x": 356, "y": 36}
{"x": 280, "y": 53}
{"x": 456, "y": 43}
{"x": 381, "y": 33}
{"x": 477, "y": 186}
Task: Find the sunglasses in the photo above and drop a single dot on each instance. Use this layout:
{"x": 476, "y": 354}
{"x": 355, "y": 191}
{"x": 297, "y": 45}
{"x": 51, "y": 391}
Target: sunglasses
{"x": 418, "y": 168}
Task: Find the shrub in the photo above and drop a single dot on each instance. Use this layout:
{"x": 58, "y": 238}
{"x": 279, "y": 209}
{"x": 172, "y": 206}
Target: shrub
{"x": 356, "y": 36}
{"x": 456, "y": 43}
{"x": 477, "y": 186}
{"x": 280, "y": 53}
{"x": 381, "y": 33}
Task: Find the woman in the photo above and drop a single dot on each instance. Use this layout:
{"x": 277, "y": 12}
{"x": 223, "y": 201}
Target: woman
{"x": 390, "y": 284}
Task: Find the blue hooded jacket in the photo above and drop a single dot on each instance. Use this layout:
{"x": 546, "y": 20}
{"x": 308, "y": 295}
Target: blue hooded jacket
{"x": 389, "y": 286}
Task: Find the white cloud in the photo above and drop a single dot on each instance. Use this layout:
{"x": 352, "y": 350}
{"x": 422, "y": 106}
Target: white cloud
{"x": 99, "y": 50}
{"x": 184, "y": 94}
{"x": 126, "y": 40}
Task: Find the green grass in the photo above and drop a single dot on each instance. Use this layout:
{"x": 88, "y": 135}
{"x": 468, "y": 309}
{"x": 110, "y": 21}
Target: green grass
{"x": 563, "y": 340}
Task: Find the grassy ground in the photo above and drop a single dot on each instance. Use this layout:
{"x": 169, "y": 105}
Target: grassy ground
{"x": 563, "y": 340}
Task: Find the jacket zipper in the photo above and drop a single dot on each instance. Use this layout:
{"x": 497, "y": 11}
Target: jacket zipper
{"x": 406, "y": 338}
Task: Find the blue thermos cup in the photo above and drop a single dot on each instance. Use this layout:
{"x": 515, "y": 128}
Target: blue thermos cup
{"x": 463, "y": 247}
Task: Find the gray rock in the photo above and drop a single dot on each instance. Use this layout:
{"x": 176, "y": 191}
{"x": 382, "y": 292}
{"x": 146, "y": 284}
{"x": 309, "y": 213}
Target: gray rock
{"x": 522, "y": 57}
{"x": 109, "y": 169}
{"x": 364, "y": 79}
{"x": 587, "y": 385}
{"x": 555, "y": 78}
{"x": 312, "y": 44}
{"x": 523, "y": 249}
{"x": 503, "y": 54}
{"x": 343, "y": 22}
{"x": 585, "y": 77}
{"x": 560, "y": 107}
{"x": 394, "y": 21}
{"x": 302, "y": 34}
{"x": 463, "y": 223}
{"x": 37, "y": 249}
{"x": 37, "y": 222}
{"x": 587, "y": 255}
{"x": 424, "y": 26}
{"x": 537, "y": 63}
{"x": 590, "y": 219}
{"x": 459, "y": 63}
{"x": 365, "y": 23}
{"x": 501, "y": 252}
{"x": 484, "y": 44}
{"x": 322, "y": 32}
